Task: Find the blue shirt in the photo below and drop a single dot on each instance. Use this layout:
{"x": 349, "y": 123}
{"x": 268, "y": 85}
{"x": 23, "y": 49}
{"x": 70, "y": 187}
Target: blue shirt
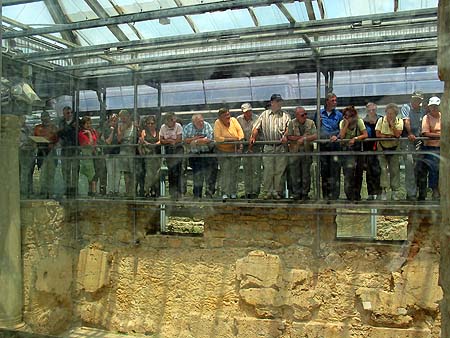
{"x": 330, "y": 124}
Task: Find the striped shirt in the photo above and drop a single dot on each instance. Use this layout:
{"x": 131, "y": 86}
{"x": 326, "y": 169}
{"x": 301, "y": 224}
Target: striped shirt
{"x": 272, "y": 125}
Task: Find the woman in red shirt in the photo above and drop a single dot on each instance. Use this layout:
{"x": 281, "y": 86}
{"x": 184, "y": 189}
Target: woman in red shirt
{"x": 87, "y": 138}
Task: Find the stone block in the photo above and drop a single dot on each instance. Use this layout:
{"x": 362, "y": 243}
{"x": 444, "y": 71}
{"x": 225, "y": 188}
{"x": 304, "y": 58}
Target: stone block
{"x": 251, "y": 327}
{"x": 341, "y": 330}
{"x": 318, "y": 330}
{"x": 259, "y": 269}
{"x": 299, "y": 279}
{"x": 54, "y": 274}
{"x": 383, "y": 332}
{"x": 92, "y": 270}
{"x": 261, "y": 297}
{"x": 303, "y": 304}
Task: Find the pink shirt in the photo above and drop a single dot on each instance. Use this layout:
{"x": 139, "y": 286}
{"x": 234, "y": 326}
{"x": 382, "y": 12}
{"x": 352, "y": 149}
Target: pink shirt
{"x": 170, "y": 133}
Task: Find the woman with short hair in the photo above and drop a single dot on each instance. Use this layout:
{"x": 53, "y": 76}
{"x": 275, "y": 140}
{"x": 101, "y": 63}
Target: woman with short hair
{"x": 126, "y": 136}
{"x": 353, "y": 129}
{"x": 149, "y": 145}
{"x": 227, "y": 128}
{"x": 87, "y": 138}
{"x": 390, "y": 126}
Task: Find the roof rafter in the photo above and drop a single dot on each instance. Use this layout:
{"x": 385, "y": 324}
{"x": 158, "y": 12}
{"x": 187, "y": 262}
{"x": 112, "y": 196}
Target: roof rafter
{"x": 148, "y": 15}
{"x": 394, "y": 47}
{"x": 306, "y": 28}
{"x": 188, "y": 18}
{"x": 382, "y": 42}
{"x": 120, "y": 11}
{"x": 60, "y": 18}
{"x": 100, "y": 12}
{"x": 286, "y": 13}
{"x": 310, "y": 10}
{"x": 321, "y": 9}
{"x": 56, "y": 39}
{"x": 17, "y": 2}
{"x": 252, "y": 13}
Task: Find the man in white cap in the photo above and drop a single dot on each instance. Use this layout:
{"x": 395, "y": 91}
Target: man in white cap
{"x": 431, "y": 127}
{"x": 412, "y": 115}
{"x": 272, "y": 123}
{"x": 251, "y": 164}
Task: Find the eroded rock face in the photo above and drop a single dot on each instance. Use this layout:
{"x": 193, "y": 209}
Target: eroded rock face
{"x": 186, "y": 287}
{"x": 414, "y": 292}
{"x": 270, "y": 290}
{"x": 48, "y": 256}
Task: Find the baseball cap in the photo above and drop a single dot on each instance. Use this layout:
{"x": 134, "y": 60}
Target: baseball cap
{"x": 417, "y": 95}
{"x": 434, "y": 100}
{"x": 246, "y": 107}
{"x": 276, "y": 97}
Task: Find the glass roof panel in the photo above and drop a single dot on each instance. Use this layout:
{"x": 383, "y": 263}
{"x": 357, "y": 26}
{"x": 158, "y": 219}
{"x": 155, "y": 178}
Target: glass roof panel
{"x": 347, "y": 8}
{"x": 209, "y": 22}
{"x": 406, "y": 5}
{"x": 298, "y": 11}
{"x": 269, "y": 15}
{"x": 34, "y": 14}
{"x": 77, "y": 10}
{"x": 96, "y": 36}
{"x": 154, "y": 29}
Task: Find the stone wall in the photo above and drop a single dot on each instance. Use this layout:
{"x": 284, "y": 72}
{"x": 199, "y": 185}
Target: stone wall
{"x": 254, "y": 273}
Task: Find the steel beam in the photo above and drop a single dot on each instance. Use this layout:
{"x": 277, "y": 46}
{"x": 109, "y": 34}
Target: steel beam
{"x": 56, "y": 39}
{"x": 198, "y": 9}
{"x": 60, "y": 18}
{"x": 321, "y": 9}
{"x": 188, "y": 18}
{"x": 17, "y": 2}
{"x": 315, "y": 27}
{"x": 148, "y": 15}
{"x": 264, "y": 56}
{"x": 286, "y": 13}
{"x": 379, "y": 40}
{"x": 100, "y": 12}
{"x": 310, "y": 10}
{"x": 252, "y": 13}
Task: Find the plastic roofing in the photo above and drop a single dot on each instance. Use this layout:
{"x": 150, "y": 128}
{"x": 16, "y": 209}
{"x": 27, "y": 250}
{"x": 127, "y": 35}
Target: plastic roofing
{"x": 214, "y": 39}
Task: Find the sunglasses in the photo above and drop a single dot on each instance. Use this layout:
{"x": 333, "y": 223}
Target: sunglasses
{"x": 303, "y": 114}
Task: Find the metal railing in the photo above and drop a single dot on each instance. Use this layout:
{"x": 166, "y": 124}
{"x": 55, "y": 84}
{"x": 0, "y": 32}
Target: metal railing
{"x": 45, "y": 164}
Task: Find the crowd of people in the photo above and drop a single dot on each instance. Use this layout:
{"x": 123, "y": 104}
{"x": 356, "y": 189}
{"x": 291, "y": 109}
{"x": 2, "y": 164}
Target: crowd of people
{"x": 274, "y": 149}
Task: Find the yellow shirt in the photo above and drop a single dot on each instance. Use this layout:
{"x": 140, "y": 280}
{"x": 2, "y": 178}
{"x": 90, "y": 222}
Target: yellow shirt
{"x": 221, "y": 132}
{"x": 383, "y": 127}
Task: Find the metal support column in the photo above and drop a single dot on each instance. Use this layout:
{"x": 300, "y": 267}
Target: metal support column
{"x": 75, "y": 109}
{"x": 162, "y": 185}
{"x": 136, "y": 124}
{"x": 317, "y": 180}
